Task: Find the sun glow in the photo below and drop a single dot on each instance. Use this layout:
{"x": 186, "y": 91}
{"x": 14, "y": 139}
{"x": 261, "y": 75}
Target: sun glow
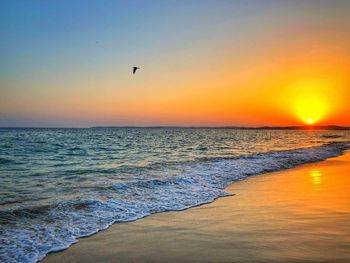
{"x": 312, "y": 100}
{"x": 311, "y": 109}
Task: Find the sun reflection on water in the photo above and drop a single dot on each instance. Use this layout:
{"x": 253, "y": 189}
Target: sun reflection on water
{"x": 316, "y": 176}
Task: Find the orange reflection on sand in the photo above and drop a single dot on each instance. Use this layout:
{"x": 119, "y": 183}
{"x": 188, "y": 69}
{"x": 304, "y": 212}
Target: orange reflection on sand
{"x": 316, "y": 176}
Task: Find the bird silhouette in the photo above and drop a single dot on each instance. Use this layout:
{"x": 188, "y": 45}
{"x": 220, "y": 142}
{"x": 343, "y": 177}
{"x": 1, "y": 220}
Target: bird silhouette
{"x": 134, "y": 70}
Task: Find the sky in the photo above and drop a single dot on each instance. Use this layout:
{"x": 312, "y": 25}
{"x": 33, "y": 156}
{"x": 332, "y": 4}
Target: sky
{"x": 202, "y": 63}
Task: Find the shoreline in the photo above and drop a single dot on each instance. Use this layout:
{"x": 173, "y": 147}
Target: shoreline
{"x": 161, "y": 232}
{"x": 199, "y": 183}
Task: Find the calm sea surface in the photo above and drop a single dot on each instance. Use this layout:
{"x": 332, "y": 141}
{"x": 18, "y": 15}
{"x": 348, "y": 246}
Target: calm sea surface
{"x": 57, "y": 185}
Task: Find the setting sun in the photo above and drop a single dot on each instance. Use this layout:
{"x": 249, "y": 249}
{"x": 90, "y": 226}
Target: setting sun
{"x": 312, "y": 100}
{"x": 311, "y": 109}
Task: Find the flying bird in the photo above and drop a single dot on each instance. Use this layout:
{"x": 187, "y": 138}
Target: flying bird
{"x": 134, "y": 70}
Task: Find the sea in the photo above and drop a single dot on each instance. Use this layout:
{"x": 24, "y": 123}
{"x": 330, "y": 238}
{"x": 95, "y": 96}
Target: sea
{"x": 58, "y": 185}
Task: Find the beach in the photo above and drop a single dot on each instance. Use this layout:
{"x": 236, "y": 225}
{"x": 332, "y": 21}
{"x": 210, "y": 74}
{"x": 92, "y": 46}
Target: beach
{"x": 174, "y": 131}
{"x": 296, "y": 215}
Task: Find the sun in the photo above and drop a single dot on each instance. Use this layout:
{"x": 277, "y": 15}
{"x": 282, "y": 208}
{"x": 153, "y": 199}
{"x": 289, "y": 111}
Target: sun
{"x": 310, "y": 101}
{"x": 311, "y": 108}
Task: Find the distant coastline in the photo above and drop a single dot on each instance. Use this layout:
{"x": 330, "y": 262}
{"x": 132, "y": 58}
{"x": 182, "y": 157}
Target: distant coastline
{"x": 305, "y": 127}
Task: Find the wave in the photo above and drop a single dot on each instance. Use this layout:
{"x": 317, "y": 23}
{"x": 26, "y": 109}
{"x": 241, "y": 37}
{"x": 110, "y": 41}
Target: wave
{"x": 27, "y": 235}
{"x": 333, "y": 136}
{"x": 7, "y": 161}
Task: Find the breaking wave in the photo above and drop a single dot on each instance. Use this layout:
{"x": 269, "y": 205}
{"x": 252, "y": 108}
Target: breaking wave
{"x": 27, "y": 235}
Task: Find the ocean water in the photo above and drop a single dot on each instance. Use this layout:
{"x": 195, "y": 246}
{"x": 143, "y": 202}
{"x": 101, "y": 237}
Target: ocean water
{"x": 57, "y": 185}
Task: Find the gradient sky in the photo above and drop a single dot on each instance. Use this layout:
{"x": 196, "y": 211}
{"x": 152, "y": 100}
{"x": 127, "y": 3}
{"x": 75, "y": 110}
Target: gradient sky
{"x": 203, "y": 63}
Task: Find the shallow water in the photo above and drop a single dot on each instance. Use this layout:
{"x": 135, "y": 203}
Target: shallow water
{"x": 61, "y": 184}
{"x": 265, "y": 221}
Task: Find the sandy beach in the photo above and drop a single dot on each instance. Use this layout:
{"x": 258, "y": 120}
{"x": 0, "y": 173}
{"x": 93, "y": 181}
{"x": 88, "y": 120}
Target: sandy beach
{"x": 296, "y": 215}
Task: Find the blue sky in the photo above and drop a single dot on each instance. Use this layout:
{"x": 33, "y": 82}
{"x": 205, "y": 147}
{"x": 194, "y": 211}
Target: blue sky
{"x": 61, "y": 51}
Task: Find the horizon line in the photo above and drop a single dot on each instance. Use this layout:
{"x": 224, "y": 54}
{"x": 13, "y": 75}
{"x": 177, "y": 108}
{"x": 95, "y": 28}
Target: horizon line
{"x": 266, "y": 127}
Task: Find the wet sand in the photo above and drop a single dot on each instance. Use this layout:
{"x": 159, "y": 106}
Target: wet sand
{"x": 296, "y": 215}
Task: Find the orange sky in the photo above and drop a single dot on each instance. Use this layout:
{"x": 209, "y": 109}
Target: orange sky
{"x": 283, "y": 64}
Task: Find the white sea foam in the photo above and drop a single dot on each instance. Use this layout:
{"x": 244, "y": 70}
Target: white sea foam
{"x": 27, "y": 235}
